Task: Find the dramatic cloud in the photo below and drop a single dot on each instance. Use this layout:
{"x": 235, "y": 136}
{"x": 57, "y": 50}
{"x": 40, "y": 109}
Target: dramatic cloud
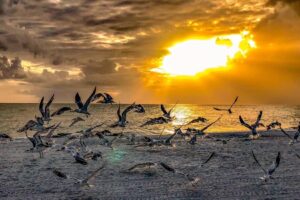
{"x": 69, "y": 45}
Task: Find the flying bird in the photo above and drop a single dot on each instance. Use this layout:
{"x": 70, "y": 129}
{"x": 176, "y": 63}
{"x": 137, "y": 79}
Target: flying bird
{"x": 76, "y": 120}
{"x": 229, "y": 110}
{"x": 197, "y": 120}
{"x": 45, "y": 110}
{"x": 157, "y": 120}
{"x": 273, "y": 125}
{"x": 80, "y": 182}
{"x": 107, "y": 98}
{"x": 271, "y": 169}
{"x": 167, "y": 114}
{"x": 122, "y": 118}
{"x": 5, "y": 136}
{"x": 83, "y": 108}
{"x": 292, "y": 139}
{"x": 254, "y": 126}
{"x": 201, "y": 132}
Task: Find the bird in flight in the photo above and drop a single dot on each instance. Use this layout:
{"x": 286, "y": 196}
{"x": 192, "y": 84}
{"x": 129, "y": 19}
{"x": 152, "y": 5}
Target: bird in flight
{"x": 254, "y": 126}
{"x": 83, "y": 108}
{"x": 271, "y": 169}
{"x": 229, "y": 110}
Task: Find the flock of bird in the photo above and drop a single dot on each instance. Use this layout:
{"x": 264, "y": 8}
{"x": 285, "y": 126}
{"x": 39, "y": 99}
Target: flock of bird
{"x": 43, "y": 137}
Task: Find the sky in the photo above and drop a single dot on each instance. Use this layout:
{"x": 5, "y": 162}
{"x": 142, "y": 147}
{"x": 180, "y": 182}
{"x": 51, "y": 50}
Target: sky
{"x": 65, "y": 46}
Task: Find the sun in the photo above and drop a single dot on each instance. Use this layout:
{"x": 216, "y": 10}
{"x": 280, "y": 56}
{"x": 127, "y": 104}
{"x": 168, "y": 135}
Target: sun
{"x": 193, "y": 56}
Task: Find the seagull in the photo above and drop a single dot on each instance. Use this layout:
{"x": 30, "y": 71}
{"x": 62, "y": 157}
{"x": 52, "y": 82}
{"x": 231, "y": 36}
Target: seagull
{"x": 197, "y": 120}
{"x": 80, "y": 182}
{"x": 138, "y": 108}
{"x": 273, "y": 125}
{"x": 83, "y": 108}
{"x": 37, "y": 144}
{"x": 76, "y": 155}
{"x": 89, "y": 131}
{"x": 45, "y": 111}
{"x": 35, "y": 125}
{"x": 167, "y": 114}
{"x": 201, "y": 132}
{"x": 122, "y": 118}
{"x": 106, "y": 142}
{"x": 159, "y": 142}
{"x": 75, "y": 120}
{"x": 157, "y": 120}
{"x": 271, "y": 169}
{"x": 229, "y": 109}
{"x": 48, "y": 137}
{"x": 292, "y": 139}
{"x": 5, "y": 136}
{"x": 187, "y": 176}
{"x": 254, "y": 126}
{"x": 107, "y": 98}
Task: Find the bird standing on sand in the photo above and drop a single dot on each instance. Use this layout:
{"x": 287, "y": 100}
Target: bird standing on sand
{"x": 271, "y": 169}
{"x": 83, "y": 108}
{"x": 254, "y": 126}
{"x": 229, "y": 109}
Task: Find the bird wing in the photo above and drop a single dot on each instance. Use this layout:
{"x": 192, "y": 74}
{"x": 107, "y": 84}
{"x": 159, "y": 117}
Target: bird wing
{"x": 285, "y": 133}
{"x": 234, "y": 102}
{"x": 146, "y": 164}
{"x": 94, "y": 173}
{"x": 119, "y": 112}
{"x": 209, "y": 158}
{"x": 88, "y": 101}
{"x": 167, "y": 167}
{"x": 49, "y": 135}
{"x": 48, "y": 104}
{"x": 206, "y": 127}
{"x": 163, "y": 109}
{"x": 41, "y": 107}
{"x": 296, "y": 135}
{"x": 97, "y": 96}
{"x": 275, "y": 164}
{"x": 258, "y": 162}
{"x": 220, "y": 109}
{"x": 108, "y": 97}
{"x": 244, "y": 123}
{"x": 172, "y": 108}
{"x": 78, "y": 101}
{"x": 129, "y": 108}
{"x": 258, "y": 118}
{"x": 61, "y": 111}
{"x": 168, "y": 140}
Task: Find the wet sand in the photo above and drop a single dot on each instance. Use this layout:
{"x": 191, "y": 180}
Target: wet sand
{"x": 231, "y": 174}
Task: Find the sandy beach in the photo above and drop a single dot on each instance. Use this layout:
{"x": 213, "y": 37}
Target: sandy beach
{"x": 231, "y": 174}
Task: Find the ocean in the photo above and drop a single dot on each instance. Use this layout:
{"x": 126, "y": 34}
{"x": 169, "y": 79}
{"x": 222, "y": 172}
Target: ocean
{"x": 14, "y": 116}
